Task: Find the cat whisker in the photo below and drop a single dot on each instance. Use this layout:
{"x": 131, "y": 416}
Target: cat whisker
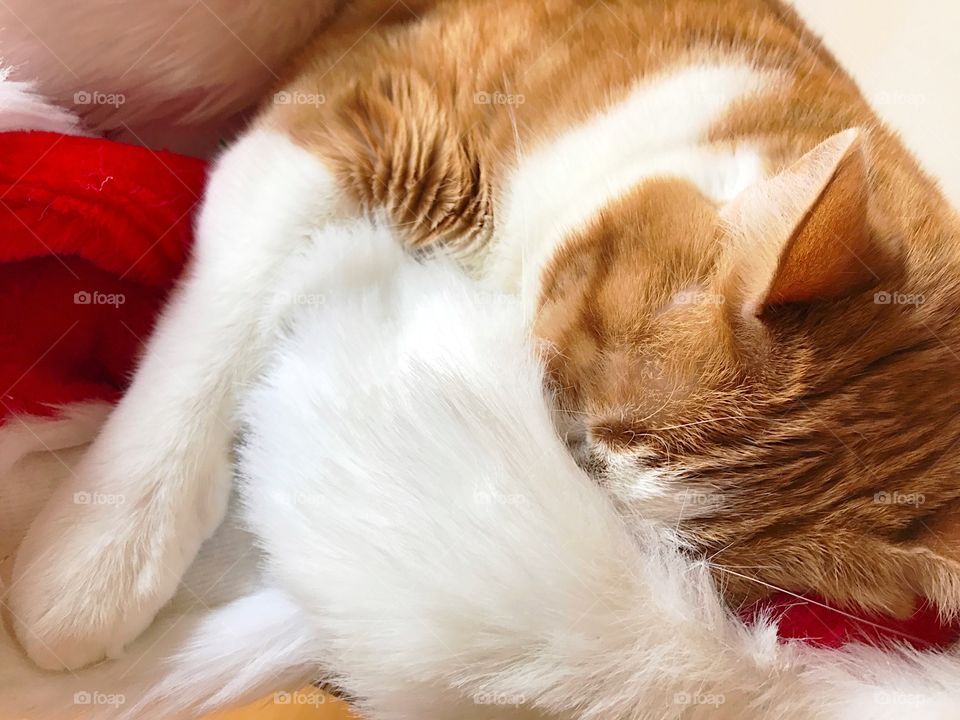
{"x": 857, "y": 619}
{"x": 741, "y": 567}
{"x": 706, "y": 421}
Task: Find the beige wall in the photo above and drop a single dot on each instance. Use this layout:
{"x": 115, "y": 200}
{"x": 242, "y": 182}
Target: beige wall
{"x": 906, "y": 56}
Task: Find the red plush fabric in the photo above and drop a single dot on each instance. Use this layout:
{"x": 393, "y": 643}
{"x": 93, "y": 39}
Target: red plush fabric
{"x": 92, "y": 236}
{"x": 814, "y": 622}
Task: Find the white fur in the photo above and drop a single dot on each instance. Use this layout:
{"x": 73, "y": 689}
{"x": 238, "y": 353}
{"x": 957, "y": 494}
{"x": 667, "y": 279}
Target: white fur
{"x": 414, "y": 499}
{"x": 658, "y": 130}
{"x": 185, "y": 665}
{"x": 438, "y": 550}
{"x": 223, "y": 640}
{"x": 109, "y": 566}
{"x": 21, "y": 108}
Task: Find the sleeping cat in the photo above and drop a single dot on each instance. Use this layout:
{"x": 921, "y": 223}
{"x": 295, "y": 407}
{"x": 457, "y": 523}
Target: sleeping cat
{"x": 746, "y": 292}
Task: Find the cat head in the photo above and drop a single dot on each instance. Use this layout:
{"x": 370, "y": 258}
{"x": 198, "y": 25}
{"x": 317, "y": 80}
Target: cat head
{"x": 772, "y": 377}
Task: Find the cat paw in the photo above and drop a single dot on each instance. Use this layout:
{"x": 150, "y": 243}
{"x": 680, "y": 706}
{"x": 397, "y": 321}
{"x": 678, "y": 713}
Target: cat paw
{"x": 57, "y": 650}
{"x": 89, "y": 578}
{"x": 97, "y": 565}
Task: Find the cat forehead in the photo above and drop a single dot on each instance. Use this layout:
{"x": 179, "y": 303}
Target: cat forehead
{"x": 650, "y": 252}
{"x": 658, "y": 130}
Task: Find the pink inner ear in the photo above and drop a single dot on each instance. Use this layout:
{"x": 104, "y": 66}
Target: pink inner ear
{"x": 830, "y": 252}
{"x": 829, "y": 258}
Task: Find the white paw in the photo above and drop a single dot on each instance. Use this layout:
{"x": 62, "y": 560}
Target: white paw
{"x": 97, "y": 565}
{"x": 84, "y": 584}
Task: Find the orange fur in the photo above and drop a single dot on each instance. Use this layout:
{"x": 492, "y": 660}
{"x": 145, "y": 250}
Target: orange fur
{"x": 784, "y": 388}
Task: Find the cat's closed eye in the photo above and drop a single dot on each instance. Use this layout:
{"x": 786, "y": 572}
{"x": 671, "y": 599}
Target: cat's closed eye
{"x": 723, "y": 368}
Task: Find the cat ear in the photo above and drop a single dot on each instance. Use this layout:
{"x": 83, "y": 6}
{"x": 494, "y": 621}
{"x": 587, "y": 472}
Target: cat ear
{"x": 803, "y": 236}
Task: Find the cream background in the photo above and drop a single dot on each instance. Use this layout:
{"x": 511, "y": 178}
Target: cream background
{"x": 906, "y": 56}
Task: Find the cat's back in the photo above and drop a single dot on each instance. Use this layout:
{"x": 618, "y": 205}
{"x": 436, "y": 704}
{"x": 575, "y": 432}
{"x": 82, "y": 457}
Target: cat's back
{"x": 478, "y": 92}
{"x": 556, "y": 62}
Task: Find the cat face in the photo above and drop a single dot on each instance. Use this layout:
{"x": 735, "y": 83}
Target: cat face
{"x": 767, "y": 378}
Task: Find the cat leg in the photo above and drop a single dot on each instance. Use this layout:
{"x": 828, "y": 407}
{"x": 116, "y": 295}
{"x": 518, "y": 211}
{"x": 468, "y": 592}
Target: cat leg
{"x": 111, "y": 545}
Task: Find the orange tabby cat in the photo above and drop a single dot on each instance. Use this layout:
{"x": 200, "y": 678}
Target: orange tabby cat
{"x": 746, "y": 289}
{"x": 772, "y": 369}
